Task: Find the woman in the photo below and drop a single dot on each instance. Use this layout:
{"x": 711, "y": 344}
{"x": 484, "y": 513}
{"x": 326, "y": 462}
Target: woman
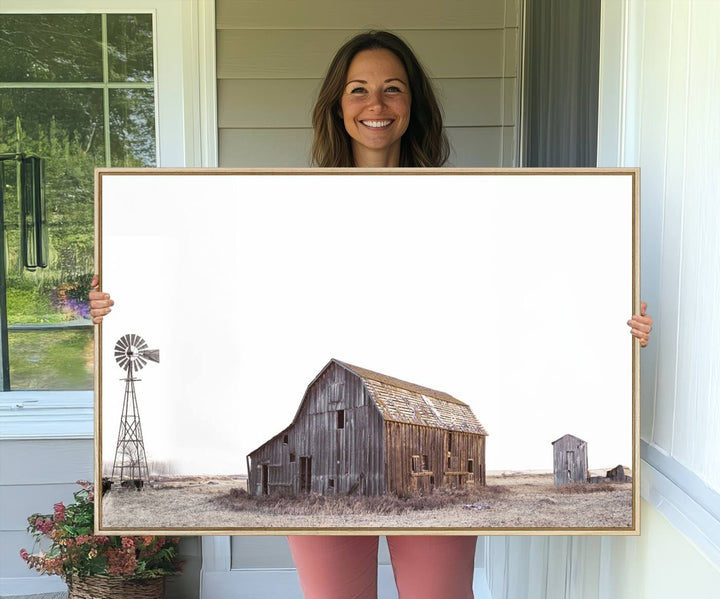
{"x": 376, "y": 108}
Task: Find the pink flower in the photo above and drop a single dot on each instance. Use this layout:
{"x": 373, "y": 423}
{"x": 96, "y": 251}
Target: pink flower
{"x": 24, "y": 554}
{"x": 82, "y": 539}
{"x": 44, "y": 526}
{"x": 121, "y": 562}
{"x": 59, "y": 512}
{"x": 128, "y": 543}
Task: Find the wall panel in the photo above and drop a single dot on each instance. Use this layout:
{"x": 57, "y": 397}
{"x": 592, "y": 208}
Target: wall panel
{"x": 306, "y": 53}
{"x": 399, "y": 14}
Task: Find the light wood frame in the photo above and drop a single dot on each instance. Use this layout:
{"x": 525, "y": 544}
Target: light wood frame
{"x": 420, "y": 182}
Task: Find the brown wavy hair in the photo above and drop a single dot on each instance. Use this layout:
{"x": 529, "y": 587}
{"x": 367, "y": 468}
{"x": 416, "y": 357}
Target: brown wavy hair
{"x": 424, "y": 142}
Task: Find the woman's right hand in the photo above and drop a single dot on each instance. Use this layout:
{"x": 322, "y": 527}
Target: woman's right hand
{"x": 100, "y": 302}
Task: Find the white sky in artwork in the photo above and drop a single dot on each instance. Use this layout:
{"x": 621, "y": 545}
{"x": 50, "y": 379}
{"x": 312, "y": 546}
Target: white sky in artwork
{"x": 510, "y": 293}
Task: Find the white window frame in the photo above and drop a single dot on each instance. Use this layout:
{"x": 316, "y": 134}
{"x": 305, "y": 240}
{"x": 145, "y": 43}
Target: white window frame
{"x": 186, "y": 128}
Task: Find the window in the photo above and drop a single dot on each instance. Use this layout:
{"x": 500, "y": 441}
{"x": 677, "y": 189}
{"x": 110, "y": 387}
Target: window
{"x": 78, "y": 90}
{"x": 449, "y": 442}
{"x": 471, "y": 466}
{"x": 292, "y": 457}
{"x": 416, "y": 465}
{"x": 425, "y": 463}
{"x": 341, "y": 419}
{"x": 285, "y": 439}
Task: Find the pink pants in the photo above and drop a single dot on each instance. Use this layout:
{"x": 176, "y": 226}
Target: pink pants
{"x": 425, "y": 567}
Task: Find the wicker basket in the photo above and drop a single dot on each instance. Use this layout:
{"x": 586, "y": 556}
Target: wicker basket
{"x": 116, "y": 587}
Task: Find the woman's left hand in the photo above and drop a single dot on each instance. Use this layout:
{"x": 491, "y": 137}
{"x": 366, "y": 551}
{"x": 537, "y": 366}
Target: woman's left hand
{"x": 641, "y": 325}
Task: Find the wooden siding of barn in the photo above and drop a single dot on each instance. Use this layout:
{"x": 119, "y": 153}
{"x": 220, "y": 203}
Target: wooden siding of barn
{"x": 405, "y": 443}
{"x": 352, "y": 456}
{"x": 570, "y": 464}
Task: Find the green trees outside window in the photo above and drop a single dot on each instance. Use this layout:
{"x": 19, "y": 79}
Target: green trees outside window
{"x": 79, "y": 91}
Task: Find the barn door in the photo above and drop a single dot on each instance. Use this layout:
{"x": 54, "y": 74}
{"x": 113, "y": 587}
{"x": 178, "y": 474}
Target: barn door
{"x": 305, "y": 474}
{"x": 570, "y": 466}
{"x": 264, "y": 479}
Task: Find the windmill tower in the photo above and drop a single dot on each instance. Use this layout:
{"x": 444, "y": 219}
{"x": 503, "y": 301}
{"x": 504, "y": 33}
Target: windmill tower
{"x": 131, "y": 354}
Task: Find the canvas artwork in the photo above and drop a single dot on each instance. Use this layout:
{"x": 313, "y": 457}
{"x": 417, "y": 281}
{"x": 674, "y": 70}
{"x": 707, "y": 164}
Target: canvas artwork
{"x": 360, "y": 351}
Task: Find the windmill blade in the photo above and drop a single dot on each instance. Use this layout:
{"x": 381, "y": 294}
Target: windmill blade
{"x": 132, "y": 353}
{"x": 151, "y": 354}
{"x": 121, "y": 348}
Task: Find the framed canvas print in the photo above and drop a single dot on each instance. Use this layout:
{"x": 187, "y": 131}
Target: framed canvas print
{"x": 358, "y": 351}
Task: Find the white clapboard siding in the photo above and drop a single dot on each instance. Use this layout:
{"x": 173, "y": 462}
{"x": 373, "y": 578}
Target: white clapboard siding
{"x": 46, "y": 461}
{"x": 253, "y": 54}
{"x": 470, "y": 146}
{"x": 19, "y": 501}
{"x": 264, "y": 147}
{"x": 399, "y": 14}
{"x": 34, "y": 475}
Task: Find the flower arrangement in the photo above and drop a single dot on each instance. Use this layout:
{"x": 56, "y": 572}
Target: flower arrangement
{"x": 75, "y": 553}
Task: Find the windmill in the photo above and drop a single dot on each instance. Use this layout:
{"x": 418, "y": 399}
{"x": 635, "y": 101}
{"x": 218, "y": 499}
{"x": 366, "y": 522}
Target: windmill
{"x": 131, "y": 354}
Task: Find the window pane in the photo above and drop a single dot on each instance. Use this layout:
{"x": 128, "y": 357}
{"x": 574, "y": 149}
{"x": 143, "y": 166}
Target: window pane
{"x": 130, "y": 47}
{"x": 132, "y": 127}
{"x": 54, "y": 359}
{"x": 66, "y": 127}
{"x": 50, "y": 48}
{"x": 53, "y": 122}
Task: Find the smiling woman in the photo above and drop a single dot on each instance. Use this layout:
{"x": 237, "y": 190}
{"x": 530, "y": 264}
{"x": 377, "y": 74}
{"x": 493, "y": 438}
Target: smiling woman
{"x": 377, "y": 108}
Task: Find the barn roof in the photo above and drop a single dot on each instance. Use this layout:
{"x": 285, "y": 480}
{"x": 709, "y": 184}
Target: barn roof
{"x": 409, "y": 403}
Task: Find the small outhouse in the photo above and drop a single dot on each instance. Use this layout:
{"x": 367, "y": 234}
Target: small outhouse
{"x": 570, "y": 462}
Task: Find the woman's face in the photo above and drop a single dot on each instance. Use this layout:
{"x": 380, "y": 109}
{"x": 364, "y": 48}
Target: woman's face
{"x": 375, "y": 107}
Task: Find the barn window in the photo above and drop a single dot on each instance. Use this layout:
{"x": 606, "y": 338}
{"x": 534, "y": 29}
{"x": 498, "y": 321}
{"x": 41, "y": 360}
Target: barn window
{"x": 416, "y": 463}
{"x": 471, "y": 466}
{"x": 292, "y": 458}
{"x": 341, "y": 419}
{"x": 285, "y": 440}
{"x": 425, "y": 463}
{"x": 449, "y": 463}
{"x": 449, "y": 442}
{"x": 331, "y": 483}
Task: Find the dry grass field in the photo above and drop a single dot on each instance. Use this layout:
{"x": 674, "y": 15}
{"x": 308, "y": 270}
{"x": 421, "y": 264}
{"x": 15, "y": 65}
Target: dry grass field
{"x": 517, "y": 500}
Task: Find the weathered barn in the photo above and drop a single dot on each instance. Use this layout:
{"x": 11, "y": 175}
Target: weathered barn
{"x": 358, "y": 431}
{"x": 570, "y": 462}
